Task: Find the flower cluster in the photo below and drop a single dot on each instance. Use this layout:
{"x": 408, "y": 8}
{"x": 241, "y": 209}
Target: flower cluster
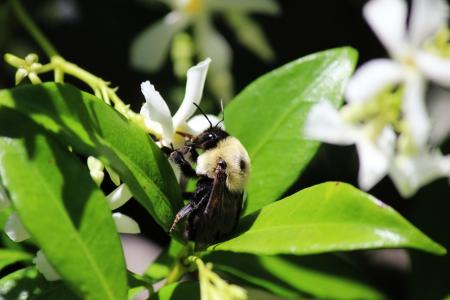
{"x": 214, "y": 287}
{"x": 157, "y": 115}
{"x": 150, "y": 48}
{"x": 386, "y": 115}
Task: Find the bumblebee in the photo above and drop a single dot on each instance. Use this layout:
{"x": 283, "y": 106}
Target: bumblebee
{"x": 223, "y": 169}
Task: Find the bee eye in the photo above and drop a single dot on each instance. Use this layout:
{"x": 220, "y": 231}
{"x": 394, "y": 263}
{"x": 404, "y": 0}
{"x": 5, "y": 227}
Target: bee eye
{"x": 210, "y": 136}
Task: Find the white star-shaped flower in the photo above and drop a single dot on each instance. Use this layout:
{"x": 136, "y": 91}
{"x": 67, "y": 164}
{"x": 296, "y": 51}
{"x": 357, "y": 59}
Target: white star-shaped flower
{"x": 326, "y": 124}
{"x": 409, "y": 173}
{"x": 150, "y": 48}
{"x": 410, "y": 62}
{"x": 157, "y": 115}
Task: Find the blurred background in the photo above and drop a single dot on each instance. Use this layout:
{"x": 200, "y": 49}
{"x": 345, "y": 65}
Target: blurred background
{"x": 97, "y": 35}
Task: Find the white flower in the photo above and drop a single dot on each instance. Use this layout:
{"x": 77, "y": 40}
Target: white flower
{"x": 411, "y": 63}
{"x": 409, "y": 173}
{"x": 44, "y": 267}
{"x": 116, "y": 199}
{"x": 151, "y": 46}
{"x": 326, "y": 124}
{"x": 14, "y": 229}
{"x": 96, "y": 168}
{"x": 386, "y": 115}
{"x": 157, "y": 115}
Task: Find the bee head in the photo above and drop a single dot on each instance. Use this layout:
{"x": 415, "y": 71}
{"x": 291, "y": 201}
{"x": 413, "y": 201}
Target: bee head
{"x": 209, "y": 138}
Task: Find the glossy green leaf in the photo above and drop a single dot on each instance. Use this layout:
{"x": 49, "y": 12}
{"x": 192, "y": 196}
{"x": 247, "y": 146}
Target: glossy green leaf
{"x": 28, "y": 284}
{"x": 137, "y": 284}
{"x": 191, "y": 290}
{"x": 268, "y": 117}
{"x": 325, "y": 276}
{"x": 91, "y": 127}
{"x": 160, "y": 268}
{"x": 332, "y": 216}
{"x": 62, "y": 209}
{"x": 8, "y": 257}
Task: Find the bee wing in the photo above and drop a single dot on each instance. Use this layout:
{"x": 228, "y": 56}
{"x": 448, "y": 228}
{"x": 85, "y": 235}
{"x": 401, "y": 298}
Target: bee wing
{"x": 221, "y": 213}
{"x": 216, "y": 198}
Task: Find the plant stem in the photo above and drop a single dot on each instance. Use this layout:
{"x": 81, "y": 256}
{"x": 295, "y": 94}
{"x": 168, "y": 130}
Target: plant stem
{"x": 176, "y": 273}
{"x": 32, "y": 28}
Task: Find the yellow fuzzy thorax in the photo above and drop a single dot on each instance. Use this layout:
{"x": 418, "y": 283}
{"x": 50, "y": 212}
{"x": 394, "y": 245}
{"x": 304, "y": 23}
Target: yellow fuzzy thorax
{"x": 234, "y": 154}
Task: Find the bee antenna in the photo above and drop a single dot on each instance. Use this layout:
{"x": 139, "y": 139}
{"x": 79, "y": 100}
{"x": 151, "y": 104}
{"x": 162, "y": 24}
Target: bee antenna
{"x": 223, "y": 114}
{"x": 203, "y": 113}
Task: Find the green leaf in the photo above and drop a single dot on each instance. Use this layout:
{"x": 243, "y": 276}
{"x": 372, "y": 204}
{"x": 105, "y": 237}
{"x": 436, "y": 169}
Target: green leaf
{"x": 9, "y": 257}
{"x": 137, "y": 284}
{"x": 268, "y": 117}
{"x": 160, "y": 268}
{"x": 325, "y": 276}
{"x": 27, "y": 284}
{"x": 191, "y": 290}
{"x": 91, "y": 127}
{"x": 62, "y": 209}
{"x": 332, "y": 216}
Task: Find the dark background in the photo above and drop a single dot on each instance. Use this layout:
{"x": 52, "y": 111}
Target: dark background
{"x": 98, "y": 37}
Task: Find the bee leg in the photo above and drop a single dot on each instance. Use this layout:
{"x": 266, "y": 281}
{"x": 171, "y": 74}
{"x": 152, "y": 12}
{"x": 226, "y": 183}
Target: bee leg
{"x": 178, "y": 158}
{"x": 181, "y": 215}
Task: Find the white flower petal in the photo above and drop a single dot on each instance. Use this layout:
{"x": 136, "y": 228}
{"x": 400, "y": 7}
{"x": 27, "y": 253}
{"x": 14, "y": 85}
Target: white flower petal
{"x": 44, "y": 267}
{"x": 324, "y": 123}
{"x": 196, "y": 77}
{"x": 97, "y": 176}
{"x": 14, "y": 229}
{"x": 119, "y": 196}
{"x": 409, "y": 173}
{"x": 434, "y": 67}
{"x": 414, "y": 109}
{"x": 157, "y": 110}
{"x": 211, "y": 43}
{"x": 387, "y": 18}
{"x": 250, "y": 35}
{"x": 4, "y": 200}
{"x": 374, "y": 159}
{"x": 125, "y": 224}
{"x": 197, "y": 124}
{"x": 371, "y": 78}
{"x": 96, "y": 169}
{"x": 153, "y": 126}
{"x": 427, "y": 17}
{"x": 150, "y": 48}
{"x": 438, "y": 106}
{"x": 94, "y": 164}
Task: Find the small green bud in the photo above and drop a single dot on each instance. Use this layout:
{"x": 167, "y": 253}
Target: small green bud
{"x": 14, "y": 60}
{"x": 34, "y": 78}
{"x": 31, "y": 58}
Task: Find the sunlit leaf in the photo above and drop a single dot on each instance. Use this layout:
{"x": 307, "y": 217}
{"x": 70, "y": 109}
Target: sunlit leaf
{"x": 327, "y": 217}
{"x": 62, "y": 209}
{"x": 268, "y": 117}
{"x": 92, "y": 128}
{"x": 325, "y": 276}
{"x": 27, "y": 284}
